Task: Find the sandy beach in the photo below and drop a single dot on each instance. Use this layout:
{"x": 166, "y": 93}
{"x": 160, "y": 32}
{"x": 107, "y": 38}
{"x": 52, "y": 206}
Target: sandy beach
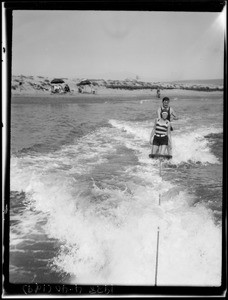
{"x": 38, "y": 86}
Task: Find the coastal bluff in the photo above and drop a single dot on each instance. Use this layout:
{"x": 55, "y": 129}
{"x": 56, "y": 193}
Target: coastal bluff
{"x": 38, "y": 85}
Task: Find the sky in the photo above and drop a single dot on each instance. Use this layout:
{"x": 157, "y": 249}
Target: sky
{"x": 157, "y": 46}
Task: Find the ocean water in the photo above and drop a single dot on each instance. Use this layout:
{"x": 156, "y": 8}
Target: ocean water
{"x": 84, "y": 196}
{"x": 211, "y": 82}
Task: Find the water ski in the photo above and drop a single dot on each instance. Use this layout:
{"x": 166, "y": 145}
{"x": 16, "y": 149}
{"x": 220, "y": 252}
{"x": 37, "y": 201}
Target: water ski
{"x": 166, "y": 156}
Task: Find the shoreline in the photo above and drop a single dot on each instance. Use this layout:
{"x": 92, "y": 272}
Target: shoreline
{"x": 117, "y": 94}
{"x": 39, "y": 86}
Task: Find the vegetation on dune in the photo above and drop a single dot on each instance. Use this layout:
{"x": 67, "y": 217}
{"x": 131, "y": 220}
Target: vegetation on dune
{"x": 41, "y": 83}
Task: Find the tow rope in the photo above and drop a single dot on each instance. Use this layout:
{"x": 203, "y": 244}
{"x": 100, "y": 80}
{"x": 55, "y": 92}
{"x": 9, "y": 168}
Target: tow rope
{"x": 158, "y": 230}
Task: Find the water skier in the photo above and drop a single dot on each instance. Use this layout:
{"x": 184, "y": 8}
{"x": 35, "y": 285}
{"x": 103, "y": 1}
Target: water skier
{"x": 165, "y": 106}
{"x": 160, "y": 136}
{"x": 171, "y": 116}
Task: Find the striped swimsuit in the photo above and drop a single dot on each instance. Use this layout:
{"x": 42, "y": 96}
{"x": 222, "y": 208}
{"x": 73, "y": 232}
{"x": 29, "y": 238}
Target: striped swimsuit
{"x": 161, "y": 134}
{"x": 161, "y": 129}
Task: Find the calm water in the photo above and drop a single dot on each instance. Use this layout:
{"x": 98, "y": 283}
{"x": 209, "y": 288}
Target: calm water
{"x": 214, "y": 82}
{"x": 85, "y": 196}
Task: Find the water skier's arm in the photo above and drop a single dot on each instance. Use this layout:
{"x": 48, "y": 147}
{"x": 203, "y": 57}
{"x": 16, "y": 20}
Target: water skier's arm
{"x": 153, "y": 132}
{"x": 173, "y": 114}
{"x": 169, "y": 135}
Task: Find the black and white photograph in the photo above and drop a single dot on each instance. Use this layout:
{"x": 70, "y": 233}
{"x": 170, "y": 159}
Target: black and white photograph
{"x": 116, "y": 149}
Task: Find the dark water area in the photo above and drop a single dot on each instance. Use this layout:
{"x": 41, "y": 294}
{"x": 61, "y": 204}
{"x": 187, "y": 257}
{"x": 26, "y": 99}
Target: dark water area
{"x": 216, "y": 144}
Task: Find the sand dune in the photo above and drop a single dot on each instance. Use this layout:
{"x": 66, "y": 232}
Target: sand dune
{"x": 39, "y": 85}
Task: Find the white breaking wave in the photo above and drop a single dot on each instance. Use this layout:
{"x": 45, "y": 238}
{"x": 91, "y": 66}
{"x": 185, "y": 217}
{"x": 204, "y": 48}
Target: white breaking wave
{"x": 108, "y": 228}
{"x": 189, "y": 145}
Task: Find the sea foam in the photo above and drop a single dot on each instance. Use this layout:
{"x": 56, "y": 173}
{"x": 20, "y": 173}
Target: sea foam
{"x": 107, "y": 228}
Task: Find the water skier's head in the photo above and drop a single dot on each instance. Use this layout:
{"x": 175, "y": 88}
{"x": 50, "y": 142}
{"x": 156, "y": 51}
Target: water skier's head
{"x": 164, "y": 114}
{"x": 165, "y": 102}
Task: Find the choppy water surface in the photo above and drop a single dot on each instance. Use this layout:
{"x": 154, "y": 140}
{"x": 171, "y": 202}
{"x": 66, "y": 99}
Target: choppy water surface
{"x": 84, "y": 204}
